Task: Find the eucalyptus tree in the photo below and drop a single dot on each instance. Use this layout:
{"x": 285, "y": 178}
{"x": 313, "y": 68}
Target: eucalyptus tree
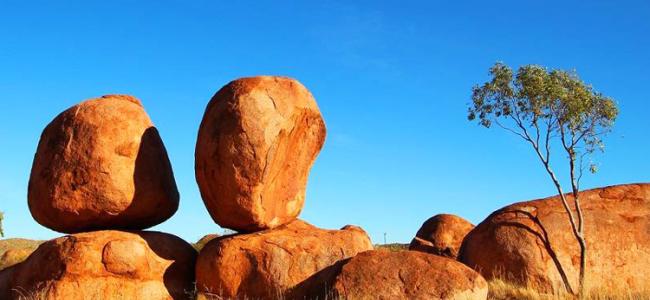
{"x": 549, "y": 109}
{"x": 2, "y": 232}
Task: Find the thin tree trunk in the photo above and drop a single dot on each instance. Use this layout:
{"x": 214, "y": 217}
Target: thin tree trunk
{"x": 581, "y": 229}
{"x": 567, "y": 208}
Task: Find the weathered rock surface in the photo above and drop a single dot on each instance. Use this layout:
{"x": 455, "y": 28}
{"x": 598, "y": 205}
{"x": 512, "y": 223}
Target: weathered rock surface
{"x": 257, "y": 142}
{"x": 441, "y": 235}
{"x": 102, "y": 165}
{"x": 106, "y": 265}
{"x": 382, "y": 274}
{"x": 276, "y": 262}
{"x": 523, "y": 242}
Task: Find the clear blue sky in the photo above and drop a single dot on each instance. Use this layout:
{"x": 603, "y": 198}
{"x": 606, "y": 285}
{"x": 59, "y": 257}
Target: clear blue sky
{"x": 392, "y": 80}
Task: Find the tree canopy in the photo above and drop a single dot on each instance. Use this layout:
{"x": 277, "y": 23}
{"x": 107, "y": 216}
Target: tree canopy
{"x": 538, "y": 104}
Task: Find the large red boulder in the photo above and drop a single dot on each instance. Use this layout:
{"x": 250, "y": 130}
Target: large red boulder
{"x": 530, "y": 242}
{"x": 105, "y": 265}
{"x": 277, "y": 262}
{"x": 382, "y": 274}
{"x": 257, "y": 142}
{"x": 441, "y": 235}
{"x": 101, "y": 165}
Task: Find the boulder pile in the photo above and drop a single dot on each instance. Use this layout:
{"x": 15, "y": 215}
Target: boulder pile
{"x": 257, "y": 142}
{"x": 101, "y": 168}
{"x": 101, "y": 175}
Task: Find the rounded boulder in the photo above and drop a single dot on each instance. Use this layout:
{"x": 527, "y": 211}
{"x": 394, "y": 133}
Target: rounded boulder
{"x": 442, "y": 235}
{"x": 99, "y": 165}
{"x": 531, "y": 243}
{"x": 382, "y": 274}
{"x": 256, "y": 144}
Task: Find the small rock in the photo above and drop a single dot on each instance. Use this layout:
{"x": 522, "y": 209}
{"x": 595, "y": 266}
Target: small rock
{"x": 441, "y": 235}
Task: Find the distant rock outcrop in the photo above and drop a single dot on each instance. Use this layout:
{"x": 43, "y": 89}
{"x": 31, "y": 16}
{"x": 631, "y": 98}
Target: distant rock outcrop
{"x": 257, "y": 142}
{"x": 441, "y": 235}
{"x": 382, "y": 274}
{"x": 277, "y": 262}
{"x": 204, "y": 240}
{"x": 105, "y": 265}
{"x": 101, "y": 165}
{"x": 14, "y": 251}
{"x": 526, "y": 242}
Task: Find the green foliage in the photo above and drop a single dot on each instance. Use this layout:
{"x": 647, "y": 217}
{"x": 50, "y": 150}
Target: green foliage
{"x": 536, "y": 103}
{"x": 2, "y": 216}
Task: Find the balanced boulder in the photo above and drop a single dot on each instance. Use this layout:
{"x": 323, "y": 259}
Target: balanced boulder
{"x": 256, "y": 144}
{"x": 281, "y": 262}
{"x": 441, "y": 235}
{"x": 531, "y": 243}
{"x": 106, "y": 265}
{"x": 102, "y": 165}
{"x": 382, "y": 274}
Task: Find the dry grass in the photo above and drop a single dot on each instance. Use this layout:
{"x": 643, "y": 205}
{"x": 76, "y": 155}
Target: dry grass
{"x": 6, "y": 244}
{"x": 38, "y": 294}
{"x": 392, "y": 247}
{"x": 14, "y": 251}
{"x": 503, "y": 290}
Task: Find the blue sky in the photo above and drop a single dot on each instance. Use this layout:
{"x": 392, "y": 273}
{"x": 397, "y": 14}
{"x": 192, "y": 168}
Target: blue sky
{"x": 392, "y": 80}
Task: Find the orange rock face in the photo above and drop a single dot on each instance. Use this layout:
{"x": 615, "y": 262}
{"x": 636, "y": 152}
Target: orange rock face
{"x": 257, "y": 142}
{"x": 106, "y": 265}
{"x": 102, "y": 165}
{"x": 382, "y": 274}
{"x": 441, "y": 235}
{"x": 276, "y": 262}
{"x": 525, "y": 242}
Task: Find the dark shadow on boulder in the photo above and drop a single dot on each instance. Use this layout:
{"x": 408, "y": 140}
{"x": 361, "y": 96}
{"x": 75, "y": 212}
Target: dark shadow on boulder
{"x": 179, "y": 276}
{"x": 540, "y": 233}
{"x": 153, "y": 177}
{"x": 318, "y": 286}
